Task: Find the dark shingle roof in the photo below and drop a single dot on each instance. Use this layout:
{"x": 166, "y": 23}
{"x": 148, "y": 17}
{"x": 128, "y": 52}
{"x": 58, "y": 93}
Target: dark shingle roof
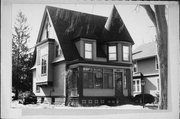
{"x": 70, "y": 25}
{"x": 145, "y": 51}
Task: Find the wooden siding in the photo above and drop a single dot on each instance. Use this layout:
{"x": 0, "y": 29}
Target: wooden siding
{"x": 147, "y": 66}
{"x": 59, "y": 79}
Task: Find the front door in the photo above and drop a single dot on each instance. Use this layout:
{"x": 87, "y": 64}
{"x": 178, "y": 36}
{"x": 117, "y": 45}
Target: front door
{"x": 118, "y": 84}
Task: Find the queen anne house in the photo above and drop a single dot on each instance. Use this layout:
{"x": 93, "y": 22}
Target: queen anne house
{"x": 82, "y": 58}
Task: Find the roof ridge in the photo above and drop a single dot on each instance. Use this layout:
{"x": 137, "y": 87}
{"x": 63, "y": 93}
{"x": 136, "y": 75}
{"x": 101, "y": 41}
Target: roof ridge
{"x": 47, "y": 6}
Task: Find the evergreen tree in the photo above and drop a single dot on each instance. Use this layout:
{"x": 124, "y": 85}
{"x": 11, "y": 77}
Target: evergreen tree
{"x": 21, "y": 59}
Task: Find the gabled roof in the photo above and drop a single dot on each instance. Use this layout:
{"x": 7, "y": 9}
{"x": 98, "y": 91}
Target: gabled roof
{"x": 145, "y": 51}
{"x": 70, "y": 25}
{"x": 115, "y": 29}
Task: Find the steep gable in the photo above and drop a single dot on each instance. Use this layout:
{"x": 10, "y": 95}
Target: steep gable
{"x": 70, "y": 25}
{"x": 115, "y": 29}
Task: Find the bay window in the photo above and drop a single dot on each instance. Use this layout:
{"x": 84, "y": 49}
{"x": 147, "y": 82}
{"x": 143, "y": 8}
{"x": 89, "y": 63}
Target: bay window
{"x": 44, "y": 64}
{"x": 112, "y": 53}
{"x": 126, "y": 53}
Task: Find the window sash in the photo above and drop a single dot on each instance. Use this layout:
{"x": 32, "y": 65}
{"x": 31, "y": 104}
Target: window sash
{"x": 137, "y": 85}
{"x": 97, "y": 78}
{"x": 37, "y": 89}
{"x": 88, "y": 50}
{"x": 58, "y": 51}
{"x": 126, "y": 53}
{"x": 135, "y": 67}
{"x": 44, "y": 65}
{"x": 112, "y": 52}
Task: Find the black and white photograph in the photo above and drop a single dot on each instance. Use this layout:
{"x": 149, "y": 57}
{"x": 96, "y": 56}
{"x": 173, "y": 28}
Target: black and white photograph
{"x": 98, "y": 57}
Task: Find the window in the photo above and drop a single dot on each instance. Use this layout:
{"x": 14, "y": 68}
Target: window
{"x": 97, "y": 78}
{"x": 135, "y": 66}
{"x": 37, "y": 89}
{"x": 44, "y": 65}
{"x": 156, "y": 63}
{"x": 112, "y": 55}
{"x": 87, "y": 78}
{"x": 48, "y": 28}
{"x": 126, "y": 53}
{"x": 58, "y": 51}
{"x": 88, "y": 50}
{"x": 137, "y": 85}
{"x": 108, "y": 78}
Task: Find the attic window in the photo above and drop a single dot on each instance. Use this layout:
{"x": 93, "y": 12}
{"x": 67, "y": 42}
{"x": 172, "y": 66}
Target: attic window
{"x": 48, "y": 29}
{"x": 88, "y": 50}
{"x": 112, "y": 52}
{"x": 58, "y": 51}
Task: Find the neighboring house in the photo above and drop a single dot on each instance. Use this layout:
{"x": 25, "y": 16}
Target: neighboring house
{"x": 82, "y": 57}
{"x": 146, "y": 68}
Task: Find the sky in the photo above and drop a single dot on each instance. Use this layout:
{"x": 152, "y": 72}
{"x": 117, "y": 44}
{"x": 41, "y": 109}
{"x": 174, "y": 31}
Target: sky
{"x": 135, "y": 18}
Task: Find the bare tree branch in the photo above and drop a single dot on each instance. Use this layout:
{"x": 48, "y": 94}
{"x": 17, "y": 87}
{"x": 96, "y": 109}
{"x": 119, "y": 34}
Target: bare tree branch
{"x": 150, "y": 13}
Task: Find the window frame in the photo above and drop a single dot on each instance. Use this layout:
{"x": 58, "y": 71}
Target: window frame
{"x": 156, "y": 63}
{"x": 109, "y": 73}
{"x": 91, "y": 43}
{"x": 92, "y": 73}
{"x": 58, "y": 51}
{"x": 110, "y": 45}
{"x": 37, "y": 89}
{"x": 136, "y": 86}
{"x": 135, "y": 63}
{"x": 42, "y": 65}
{"x": 88, "y": 73}
{"x": 125, "y": 45}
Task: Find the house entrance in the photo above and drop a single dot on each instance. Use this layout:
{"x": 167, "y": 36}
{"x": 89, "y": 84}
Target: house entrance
{"x": 118, "y": 84}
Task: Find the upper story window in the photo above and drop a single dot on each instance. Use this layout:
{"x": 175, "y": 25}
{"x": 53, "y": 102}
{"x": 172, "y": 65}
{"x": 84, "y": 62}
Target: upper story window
{"x": 135, "y": 66}
{"x": 48, "y": 28}
{"x": 156, "y": 63}
{"x": 44, "y": 65}
{"x": 112, "y": 53}
{"x": 58, "y": 51}
{"x": 126, "y": 53}
{"x": 88, "y": 50}
{"x": 44, "y": 57}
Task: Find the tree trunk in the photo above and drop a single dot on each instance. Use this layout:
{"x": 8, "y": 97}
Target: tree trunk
{"x": 162, "y": 47}
{"x": 159, "y": 20}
